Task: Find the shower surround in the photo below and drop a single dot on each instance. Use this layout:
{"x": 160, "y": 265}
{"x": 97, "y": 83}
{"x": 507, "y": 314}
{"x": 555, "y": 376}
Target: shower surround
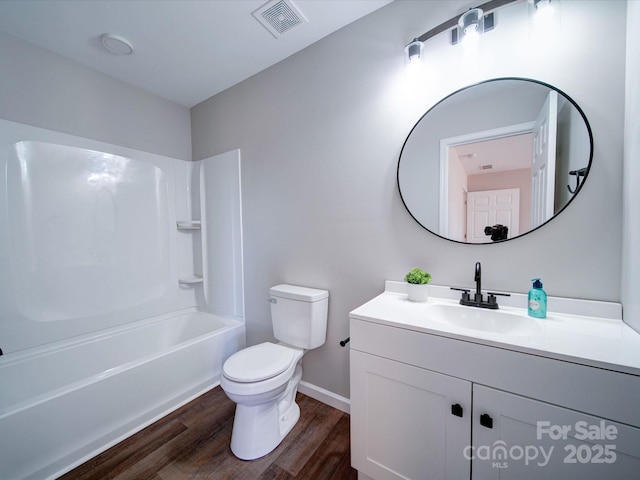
{"x": 121, "y": 291}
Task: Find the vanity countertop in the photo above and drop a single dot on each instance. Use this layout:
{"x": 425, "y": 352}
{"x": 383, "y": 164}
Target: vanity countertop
{"x": 602, "y": 341}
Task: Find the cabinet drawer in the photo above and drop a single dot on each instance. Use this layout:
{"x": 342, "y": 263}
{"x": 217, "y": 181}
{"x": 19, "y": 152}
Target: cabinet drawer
{"x": 555, "y": 442}
{"x": 587, "y": 389}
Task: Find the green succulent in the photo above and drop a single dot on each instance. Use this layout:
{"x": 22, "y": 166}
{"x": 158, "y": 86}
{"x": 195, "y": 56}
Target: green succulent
{"x": 417, "y": 276}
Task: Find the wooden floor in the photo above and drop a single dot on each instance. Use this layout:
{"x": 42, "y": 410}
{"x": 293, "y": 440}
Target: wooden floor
{"x": 193, "y": 443}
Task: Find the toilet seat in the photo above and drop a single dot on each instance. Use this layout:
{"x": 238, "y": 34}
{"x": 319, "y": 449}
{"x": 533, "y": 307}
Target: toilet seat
{"x": 259, "y": 362}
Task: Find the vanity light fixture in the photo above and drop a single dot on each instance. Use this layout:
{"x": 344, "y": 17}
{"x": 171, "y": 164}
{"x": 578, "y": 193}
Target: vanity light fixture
{"x": 414, "y": 50}
{"x": 473, "y": 21}
{"x": 543, "y": 10}
{"x": 541, "y": 5}
{"x": 471, "y": 24}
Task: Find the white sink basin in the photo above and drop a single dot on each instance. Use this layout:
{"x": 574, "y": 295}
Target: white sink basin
{"x": 481, "y": 319}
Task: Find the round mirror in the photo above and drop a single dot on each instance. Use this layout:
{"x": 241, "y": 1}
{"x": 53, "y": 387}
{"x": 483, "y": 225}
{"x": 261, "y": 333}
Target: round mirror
{"x": 495, "y": 160}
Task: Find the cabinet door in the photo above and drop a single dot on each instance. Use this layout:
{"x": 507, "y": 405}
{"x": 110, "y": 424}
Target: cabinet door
{"x": 523, "y": 439}
{"x": 402, "y": 425}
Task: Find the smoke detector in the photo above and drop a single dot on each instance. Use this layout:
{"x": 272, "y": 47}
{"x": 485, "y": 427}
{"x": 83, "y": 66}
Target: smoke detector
{"x": 279, "y": 16}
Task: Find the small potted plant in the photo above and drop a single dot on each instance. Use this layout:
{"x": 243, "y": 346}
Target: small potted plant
{"x": 417, "y": 287}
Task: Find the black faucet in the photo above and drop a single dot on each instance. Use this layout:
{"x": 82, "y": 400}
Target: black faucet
{"x": 477, "y": 300}
{"x": 478, "y": 279}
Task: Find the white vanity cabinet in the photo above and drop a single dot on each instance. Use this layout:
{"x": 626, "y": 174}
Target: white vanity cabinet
{"x": 399, "y": 422}
{"x": 429, "y": 406}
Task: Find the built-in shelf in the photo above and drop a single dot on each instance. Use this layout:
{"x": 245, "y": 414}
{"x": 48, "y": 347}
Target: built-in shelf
{"x": 190, "y": 279}
{"x": 188, "y": 224}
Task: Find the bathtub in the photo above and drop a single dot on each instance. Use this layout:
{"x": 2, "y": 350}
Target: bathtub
{"x": 62, "y": 403}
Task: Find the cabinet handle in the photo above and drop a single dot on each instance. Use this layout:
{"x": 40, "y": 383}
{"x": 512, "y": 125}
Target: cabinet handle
{"x": 456, "y": 410}
{"x": 486, "y": 420}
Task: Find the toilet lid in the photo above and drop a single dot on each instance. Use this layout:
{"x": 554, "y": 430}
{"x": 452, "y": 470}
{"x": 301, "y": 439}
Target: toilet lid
{"x": 257, "y": 363}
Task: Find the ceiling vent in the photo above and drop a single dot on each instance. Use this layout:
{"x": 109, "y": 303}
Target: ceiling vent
{"x": 279, "y": 16}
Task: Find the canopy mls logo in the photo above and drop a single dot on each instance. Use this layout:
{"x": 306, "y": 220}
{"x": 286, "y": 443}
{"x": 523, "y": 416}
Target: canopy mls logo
{"x": 500, "y": 453}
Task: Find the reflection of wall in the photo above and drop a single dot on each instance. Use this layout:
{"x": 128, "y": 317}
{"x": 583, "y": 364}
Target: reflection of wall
{"x": 510, "y": 179}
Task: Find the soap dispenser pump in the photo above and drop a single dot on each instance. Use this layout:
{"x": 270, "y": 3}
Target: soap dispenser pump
{"x": 537, "y": 300}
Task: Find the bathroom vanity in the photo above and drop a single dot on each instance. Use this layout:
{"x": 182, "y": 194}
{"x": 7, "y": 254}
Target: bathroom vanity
{"x": 444, "y": 391}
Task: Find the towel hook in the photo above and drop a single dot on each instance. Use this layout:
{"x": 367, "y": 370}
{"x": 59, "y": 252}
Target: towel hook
{"x": 578, "y": 173}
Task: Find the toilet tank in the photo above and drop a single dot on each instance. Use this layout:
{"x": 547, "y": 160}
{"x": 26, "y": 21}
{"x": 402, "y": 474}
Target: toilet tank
{"x": 299, "y": 315}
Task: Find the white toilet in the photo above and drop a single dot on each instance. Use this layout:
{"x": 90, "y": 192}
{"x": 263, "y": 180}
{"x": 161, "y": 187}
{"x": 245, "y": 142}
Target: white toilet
{"x": 263, "y": 379}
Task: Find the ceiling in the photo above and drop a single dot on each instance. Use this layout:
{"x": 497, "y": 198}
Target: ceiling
{"x": 502, "y": 154}
{"x": 184, "y": 50}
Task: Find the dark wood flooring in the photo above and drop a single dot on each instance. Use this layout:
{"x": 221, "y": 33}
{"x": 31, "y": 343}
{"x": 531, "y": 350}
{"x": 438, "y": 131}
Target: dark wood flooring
{"x": 193, "y": 443}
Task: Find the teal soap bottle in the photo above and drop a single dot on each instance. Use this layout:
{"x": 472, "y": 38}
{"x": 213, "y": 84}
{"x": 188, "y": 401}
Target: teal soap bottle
{"x": 537, "y": 300}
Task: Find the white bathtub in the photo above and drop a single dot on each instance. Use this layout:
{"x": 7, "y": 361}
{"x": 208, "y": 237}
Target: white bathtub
{"x": 63, "y": 403}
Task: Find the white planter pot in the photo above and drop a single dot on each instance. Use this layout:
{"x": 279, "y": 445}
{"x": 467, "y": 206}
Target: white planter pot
{"x": 418, "y": 292}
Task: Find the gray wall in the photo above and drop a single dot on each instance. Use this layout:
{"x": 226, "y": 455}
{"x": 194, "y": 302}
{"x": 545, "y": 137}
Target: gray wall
{"x": 320, "y": 134}
{"x": 631, "y": 219}
{"x": 46, "y": 90}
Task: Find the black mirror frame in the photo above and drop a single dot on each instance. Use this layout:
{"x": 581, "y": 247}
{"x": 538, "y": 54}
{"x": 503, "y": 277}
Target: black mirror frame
{"x": 574, "y": 194}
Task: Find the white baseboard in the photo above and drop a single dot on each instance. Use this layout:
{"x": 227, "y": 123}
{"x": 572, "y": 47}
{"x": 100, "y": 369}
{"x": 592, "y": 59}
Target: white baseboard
{"x": 325, "y": 396}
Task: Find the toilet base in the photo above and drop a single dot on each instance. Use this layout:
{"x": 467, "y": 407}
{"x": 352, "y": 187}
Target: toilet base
{"x": 259, "y": 429}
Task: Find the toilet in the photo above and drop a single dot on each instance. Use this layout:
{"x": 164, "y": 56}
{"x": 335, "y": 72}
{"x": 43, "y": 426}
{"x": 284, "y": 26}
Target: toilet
{"x": 263, "y": 379}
